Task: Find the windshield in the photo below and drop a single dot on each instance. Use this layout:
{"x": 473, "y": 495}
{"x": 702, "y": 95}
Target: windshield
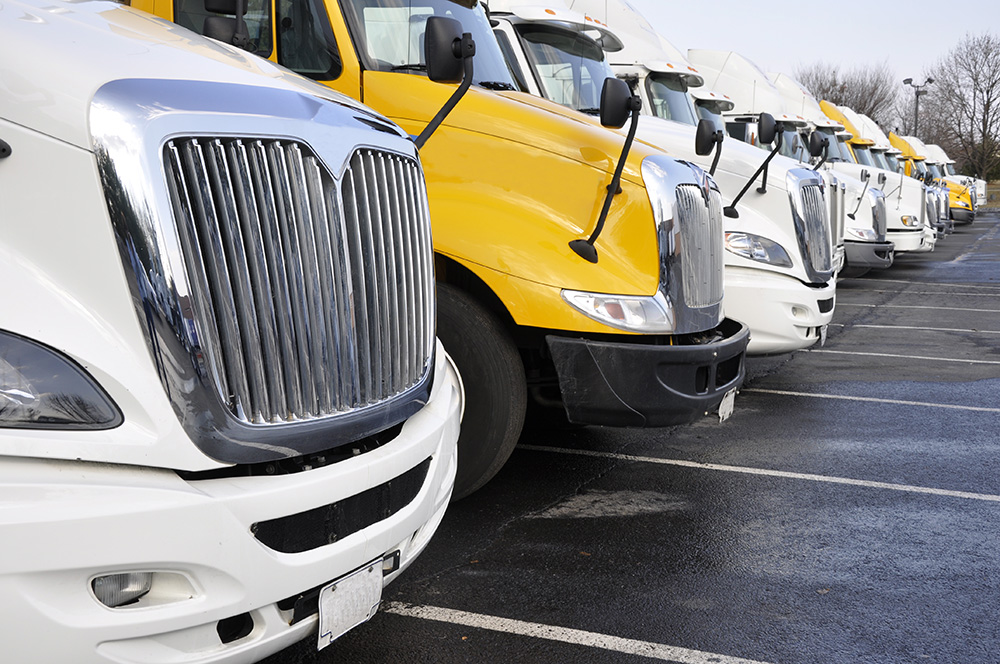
{"x": 845, "y": 150}
{"x": 863, "y": 155}
{"x": 707, "y": 112}
{"x": 950, "y": 169}
{"x": 793, "y": 146}
{"x": 920, "y": 167}
{"x": 390, "y": 36}
{"x": 934, "y": 170}
{"x": 878, "y": 156}
{"x": 892, "y": 162}
{"x": 570, "y": 68}
{"x": 833, "y": 151}
{"x": 669, "y": 98}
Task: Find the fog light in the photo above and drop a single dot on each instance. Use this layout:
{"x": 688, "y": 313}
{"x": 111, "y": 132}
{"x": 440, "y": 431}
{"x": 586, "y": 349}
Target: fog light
{"x": 115, "y": 590}
{"x": 799, "y": 312}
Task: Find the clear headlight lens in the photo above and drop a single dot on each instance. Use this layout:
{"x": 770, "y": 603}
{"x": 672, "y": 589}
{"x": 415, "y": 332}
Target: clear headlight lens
{"x": 633, "y": 313}
{"x": 910, "y": 220}
{"x": 43, "y": 389}
{"x": 863, "y": 234}
{"x": 757, "y": 248}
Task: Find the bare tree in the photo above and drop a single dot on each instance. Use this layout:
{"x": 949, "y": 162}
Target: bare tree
{"x": 961, "y": 112}
{"x": 870, "y": 89}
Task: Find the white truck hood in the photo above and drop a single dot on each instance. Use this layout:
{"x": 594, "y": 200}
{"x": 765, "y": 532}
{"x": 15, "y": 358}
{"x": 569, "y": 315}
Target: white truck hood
{"x": 95, "y": 42}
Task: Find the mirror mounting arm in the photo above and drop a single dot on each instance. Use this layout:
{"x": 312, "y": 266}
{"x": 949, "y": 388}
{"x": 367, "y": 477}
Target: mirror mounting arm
{"x": 866, "y": 178}
{"x": 730, "y": 211}
{"x": 467, "y": 48}
{"x": 241, "y": 37}
{"x": 585, "y": 248}
{"x": 718, "y": 152}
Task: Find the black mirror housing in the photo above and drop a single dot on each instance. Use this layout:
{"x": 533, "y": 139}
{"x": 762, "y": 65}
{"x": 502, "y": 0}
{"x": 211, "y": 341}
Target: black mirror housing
{"x": 443, "y": 50}
{"x": 767, "y": 128}
{"x": 706, "y": 137}
{"x": 817, "y": 143}
{"x": 616, "y": 103}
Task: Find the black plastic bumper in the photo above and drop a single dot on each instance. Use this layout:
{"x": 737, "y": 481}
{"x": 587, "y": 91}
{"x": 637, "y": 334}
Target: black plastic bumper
{"x": 963, "y": 216}
{"x": 868, "y": 255}
{"x": 640, "y": 385}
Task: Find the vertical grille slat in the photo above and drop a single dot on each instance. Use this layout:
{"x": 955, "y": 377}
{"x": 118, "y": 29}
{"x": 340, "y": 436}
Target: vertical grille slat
{"x": 701, "y": 240}
{"x": 817, "y": 230}
{"x": 311, "y": 295}
{"x": 880, "y": 219}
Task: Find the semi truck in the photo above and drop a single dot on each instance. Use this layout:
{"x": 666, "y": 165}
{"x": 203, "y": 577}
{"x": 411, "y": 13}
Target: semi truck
{"x": 573, "y": 271}
{"x": 780, "y": 258}
{"x": 212, "y": 443}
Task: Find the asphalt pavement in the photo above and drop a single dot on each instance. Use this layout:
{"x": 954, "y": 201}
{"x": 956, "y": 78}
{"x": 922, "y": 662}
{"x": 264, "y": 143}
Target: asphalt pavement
{"x": 849, "y": 511}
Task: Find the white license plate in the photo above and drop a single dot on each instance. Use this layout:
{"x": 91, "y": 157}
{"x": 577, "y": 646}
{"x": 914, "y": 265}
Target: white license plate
{"x": 822, "y": 335}
{"x": 727, "y": 406}
{"x": 348, "y": 602}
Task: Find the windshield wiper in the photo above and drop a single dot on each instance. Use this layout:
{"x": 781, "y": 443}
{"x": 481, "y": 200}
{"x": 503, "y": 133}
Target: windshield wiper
{"x": 415, "y": 67}
{"x": 496, "y": 85}
{"x": 590, "y": 111}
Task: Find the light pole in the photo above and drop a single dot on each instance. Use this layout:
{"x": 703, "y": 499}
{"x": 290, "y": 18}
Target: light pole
{"x": 917, "y": 91}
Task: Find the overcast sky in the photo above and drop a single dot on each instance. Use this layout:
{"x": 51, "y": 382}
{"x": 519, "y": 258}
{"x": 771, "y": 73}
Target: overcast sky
{"x": 909, "y": 36}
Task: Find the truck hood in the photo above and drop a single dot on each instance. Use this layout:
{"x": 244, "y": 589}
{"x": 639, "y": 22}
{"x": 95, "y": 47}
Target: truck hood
{"x": 95, "y": 42}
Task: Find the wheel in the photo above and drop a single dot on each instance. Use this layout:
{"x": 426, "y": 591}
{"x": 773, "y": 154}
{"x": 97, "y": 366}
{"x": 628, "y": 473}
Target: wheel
{"x": 495, "y": 389}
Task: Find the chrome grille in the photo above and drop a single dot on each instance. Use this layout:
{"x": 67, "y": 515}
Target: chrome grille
{"x": 879, "y": 217}
{"x": 312, "y": 297}
{"x": 932, "y": 208}
{"x": 701, "y": 239}
{"x": 817, "y": 239}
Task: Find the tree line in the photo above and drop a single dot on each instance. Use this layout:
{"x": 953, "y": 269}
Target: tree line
{"x": 960, "y": 110}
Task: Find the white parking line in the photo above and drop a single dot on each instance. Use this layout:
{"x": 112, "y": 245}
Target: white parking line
{"x": 914, "y": 327}
{"x": 906, "y": 292}
{"x": 914, "y": 306}
{"x": 563, "y": 634}
{"x": 841, "y": 397}
{"x": 922, "y": 283}
{"x": 905, "y": 357}
{"x": 769, "y": 473}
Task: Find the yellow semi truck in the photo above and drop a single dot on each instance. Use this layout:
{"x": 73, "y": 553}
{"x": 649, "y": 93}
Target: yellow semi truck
{"x": 627, "y": 330}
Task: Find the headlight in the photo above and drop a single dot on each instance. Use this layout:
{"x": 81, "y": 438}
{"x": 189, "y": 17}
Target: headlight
{"x": 910, "y": 220}
{"x": 43, "y": 389}
{"x": 863, "y": 234}
{"x": 633, "y": 313}
{"x": 757, "y": 248}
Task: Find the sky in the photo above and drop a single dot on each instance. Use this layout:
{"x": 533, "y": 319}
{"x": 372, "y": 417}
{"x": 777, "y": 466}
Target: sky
{"x": 909, "y": 36}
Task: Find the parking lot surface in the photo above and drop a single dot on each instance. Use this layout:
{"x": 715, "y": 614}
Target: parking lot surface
{"x": 849, "y": 511}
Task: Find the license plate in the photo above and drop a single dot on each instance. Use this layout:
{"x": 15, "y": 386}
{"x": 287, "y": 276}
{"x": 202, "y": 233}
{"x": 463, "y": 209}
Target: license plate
{"x": 822, "y": 335}
{"x": 348, "y": 602}
{"x": 727, "y": 406}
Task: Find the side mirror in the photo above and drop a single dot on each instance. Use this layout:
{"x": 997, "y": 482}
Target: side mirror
{"x": 223, "y": 28}
{"x": 881, "y": 179}
{"x": 767, "y": 128}
{"x": 706, "y": 137}
{"x": 443, "y": 50}
{"x": 616, "y": 103}
{"x": 865, "y": 174}
{"x": 817, "y": 143}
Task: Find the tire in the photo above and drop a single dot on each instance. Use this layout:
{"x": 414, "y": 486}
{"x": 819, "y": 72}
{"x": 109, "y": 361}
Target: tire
{"x": 495, "y": 386}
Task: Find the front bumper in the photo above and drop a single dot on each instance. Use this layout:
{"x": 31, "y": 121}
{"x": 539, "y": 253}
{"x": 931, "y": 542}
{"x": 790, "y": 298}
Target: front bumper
{"x": 963, "y": 216}
{"x": 640, "y": 385}
{"x": 907, "y": 240}
{"x": 73, "y": 521}
{"x": 870, "y": 255}
{"x": 783, "y": 313}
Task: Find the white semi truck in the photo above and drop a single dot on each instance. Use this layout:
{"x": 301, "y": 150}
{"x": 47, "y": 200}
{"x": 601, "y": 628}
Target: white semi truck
{"x": 211, "y": 444}
{"x": 779, "y": 259}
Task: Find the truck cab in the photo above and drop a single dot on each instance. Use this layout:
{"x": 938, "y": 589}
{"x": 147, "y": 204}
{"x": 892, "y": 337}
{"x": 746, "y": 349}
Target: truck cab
{"x": 976, "y": 185}
{"x": 960, "y": 196}
{"x": 202, "y": 463}
{"x": 599, "y": 302}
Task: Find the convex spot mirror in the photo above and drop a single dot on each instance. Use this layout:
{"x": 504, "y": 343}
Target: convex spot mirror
{"x": 706, "y": 137}
{"x": 617, "y": 103}
{"x": 767, "y": 128}
{"x": 443, "y": 50}
{"x": 817, "y": 143}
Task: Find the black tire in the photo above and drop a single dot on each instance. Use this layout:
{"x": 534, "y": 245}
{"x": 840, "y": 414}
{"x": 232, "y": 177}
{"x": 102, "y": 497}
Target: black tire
{"x": 495, "y": 386}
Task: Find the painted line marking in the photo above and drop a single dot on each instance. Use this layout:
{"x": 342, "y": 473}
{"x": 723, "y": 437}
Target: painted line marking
{"x": 563, "y": 634}
{"x": 921, "y": 283}
{"x": 745, "y": 470}
{"x": 914, "y": 327}
{"x": 906, "y": 292}
{"x": 922, "y": 404}
{"x": 914, "y": 306}
{"x": 905, "y": 357}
